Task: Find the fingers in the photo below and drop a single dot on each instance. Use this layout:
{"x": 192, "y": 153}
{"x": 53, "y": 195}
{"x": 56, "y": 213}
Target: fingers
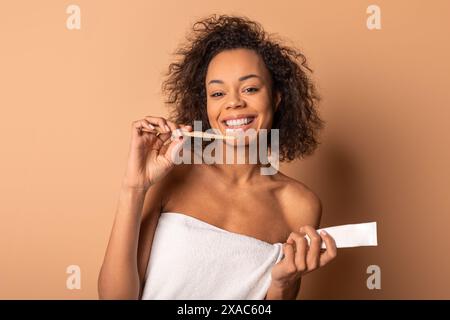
{"x": 159, "y": 125}
{"x": 140, "y": 126}
{"x": 301, "y": 258}
{"x": 309, "y": 257}
{"x": 186, "y": 127}
{"x": 288, "y": 262}
{"x": 331, "y": 251}
{"x": 165, "y": 128}
{"x": 178, "y": 132}
{"x": 313, "y": 255}
{"x": 300, "y": 250}
{"x": 163, "y": 125}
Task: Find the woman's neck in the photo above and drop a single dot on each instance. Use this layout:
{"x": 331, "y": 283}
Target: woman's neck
{"x": 237, "y": 174}
{"x": 234, "y": 165}
{"x": 239, "y": 168}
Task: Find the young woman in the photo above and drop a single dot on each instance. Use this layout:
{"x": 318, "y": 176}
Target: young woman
{"x": 220, "y": 230}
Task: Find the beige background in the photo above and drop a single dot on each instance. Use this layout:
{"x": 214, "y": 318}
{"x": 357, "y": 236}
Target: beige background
{"x": 67, "y": 99}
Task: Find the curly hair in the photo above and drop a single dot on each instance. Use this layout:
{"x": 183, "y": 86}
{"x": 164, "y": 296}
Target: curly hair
{"x": 296, "y": 117}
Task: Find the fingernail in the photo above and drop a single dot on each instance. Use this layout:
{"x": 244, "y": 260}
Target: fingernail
{"x": 150, "y": 126}
{"x": 323, "y": 232}
{"x": 167, "y": 127}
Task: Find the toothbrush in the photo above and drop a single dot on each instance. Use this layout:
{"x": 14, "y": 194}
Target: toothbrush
{"x": 199, "y": 134}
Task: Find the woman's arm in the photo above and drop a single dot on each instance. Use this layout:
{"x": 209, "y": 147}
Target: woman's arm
{"x": 123, "y": 272}
{"x": 299, "y": 257}
{"x": 119, "y": 278}
{"x": 150, "y": 159}
{"x": 126, "y": 259}
{"x": 289, "y": 292}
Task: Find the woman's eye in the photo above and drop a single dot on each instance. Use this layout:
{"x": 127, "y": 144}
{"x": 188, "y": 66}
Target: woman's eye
{"x": 251, "y": 89}
{"x": 216, "y": 94}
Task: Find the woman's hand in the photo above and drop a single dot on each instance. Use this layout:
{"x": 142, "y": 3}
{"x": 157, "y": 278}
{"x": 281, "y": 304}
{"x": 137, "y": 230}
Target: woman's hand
{"x": 150, "y": 159}
{"x": 301, "y": 258}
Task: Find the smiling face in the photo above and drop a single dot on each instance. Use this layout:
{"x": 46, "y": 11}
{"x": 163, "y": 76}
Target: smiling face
{"x": 239, "y": 92}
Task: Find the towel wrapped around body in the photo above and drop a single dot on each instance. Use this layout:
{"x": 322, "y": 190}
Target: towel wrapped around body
{"x": 192, "y": 259}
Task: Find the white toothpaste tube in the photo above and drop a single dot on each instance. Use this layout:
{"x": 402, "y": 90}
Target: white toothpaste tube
{"x": 352, "y": 235}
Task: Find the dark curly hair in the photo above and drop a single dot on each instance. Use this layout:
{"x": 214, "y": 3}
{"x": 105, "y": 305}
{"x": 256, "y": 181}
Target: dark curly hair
{"x": 296, "y": 118}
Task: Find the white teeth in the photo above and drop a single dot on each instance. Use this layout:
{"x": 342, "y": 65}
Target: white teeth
{"x": 238, "y": 122}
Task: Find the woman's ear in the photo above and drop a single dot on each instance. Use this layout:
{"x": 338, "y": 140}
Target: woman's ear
{"x": 277, "y": 100}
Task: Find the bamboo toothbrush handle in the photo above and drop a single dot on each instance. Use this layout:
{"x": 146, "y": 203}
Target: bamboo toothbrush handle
{"x": 200, "y": 134}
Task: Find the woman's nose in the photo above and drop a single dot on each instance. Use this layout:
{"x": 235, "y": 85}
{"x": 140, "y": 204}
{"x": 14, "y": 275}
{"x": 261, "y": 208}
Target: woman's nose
{"x": 235, "y": 102}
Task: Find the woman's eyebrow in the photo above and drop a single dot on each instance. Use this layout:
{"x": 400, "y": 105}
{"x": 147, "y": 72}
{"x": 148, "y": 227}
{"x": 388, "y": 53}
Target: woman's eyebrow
{"x": 240, "y": 79}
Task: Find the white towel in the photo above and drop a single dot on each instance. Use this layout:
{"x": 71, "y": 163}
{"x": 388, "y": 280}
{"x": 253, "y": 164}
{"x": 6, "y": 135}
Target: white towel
{"x": 192, "y": 259}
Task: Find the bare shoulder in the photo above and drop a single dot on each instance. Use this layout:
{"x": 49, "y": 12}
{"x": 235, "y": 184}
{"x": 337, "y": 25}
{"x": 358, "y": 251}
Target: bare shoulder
{"x": 175, "y": 180}
{"x": 301, "y": 204}
{"x": 159, "y": 192}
